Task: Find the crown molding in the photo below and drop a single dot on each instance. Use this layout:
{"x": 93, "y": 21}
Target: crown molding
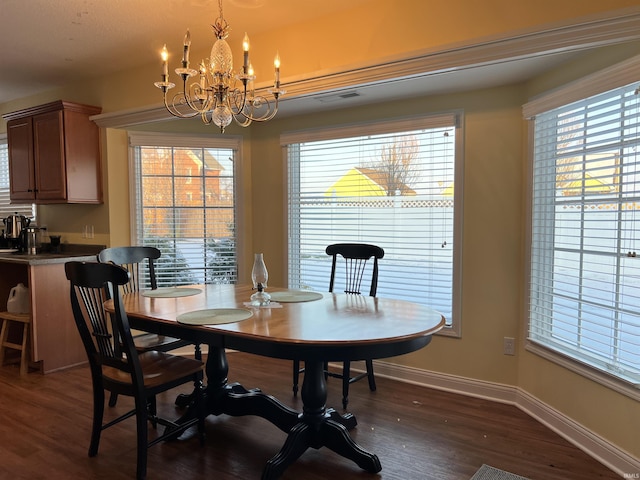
{"x": 616, "y": 27}
{"x": 622, "y": 27}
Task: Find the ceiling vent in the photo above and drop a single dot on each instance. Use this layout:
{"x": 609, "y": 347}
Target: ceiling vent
{"x": 337, "y": 97}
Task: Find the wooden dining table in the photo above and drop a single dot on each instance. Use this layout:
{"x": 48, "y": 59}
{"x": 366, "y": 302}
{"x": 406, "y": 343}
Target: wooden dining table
{"x": 315, "y": 328}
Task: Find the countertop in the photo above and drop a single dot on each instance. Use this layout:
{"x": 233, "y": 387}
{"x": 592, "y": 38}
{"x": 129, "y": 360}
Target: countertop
{"x": 81, "y": 253}
{"x": 45, "y": 258}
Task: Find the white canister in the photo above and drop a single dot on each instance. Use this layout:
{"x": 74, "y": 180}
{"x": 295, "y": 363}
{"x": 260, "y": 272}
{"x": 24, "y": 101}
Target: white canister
{"x": 19, "y": 301}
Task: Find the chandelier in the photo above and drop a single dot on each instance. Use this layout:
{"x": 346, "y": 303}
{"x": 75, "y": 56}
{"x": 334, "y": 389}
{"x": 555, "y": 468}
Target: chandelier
{"x": 214, "y": 91}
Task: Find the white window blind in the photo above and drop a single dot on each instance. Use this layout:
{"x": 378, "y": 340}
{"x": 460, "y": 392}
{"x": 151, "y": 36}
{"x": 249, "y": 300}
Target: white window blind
{"x": 585, "y": 251}
{"x": 185, "y": 206}
{"x": 389, "y": 184}
{"x": 6, "y": 208}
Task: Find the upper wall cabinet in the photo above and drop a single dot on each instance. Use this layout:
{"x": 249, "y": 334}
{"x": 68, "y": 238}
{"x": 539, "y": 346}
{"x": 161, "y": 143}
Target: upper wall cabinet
{"x": 54, "y": 154}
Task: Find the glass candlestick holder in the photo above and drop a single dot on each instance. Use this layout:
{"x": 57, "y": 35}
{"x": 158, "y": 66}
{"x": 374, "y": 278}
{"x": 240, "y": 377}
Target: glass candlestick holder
{"x": 259, "y": 276}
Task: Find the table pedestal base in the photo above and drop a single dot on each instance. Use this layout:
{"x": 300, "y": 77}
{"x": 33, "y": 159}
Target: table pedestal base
{"x": 330, "y": 434}
{"x": 315, "y": 427}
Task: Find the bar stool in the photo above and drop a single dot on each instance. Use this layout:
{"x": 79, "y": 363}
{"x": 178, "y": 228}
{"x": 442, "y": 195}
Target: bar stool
{"x": 25, "y": 320}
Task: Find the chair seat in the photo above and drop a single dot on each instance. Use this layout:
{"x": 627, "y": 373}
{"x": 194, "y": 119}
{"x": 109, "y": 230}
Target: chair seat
{"x": 158, "y": 369}
{"x": 152, "y": 341}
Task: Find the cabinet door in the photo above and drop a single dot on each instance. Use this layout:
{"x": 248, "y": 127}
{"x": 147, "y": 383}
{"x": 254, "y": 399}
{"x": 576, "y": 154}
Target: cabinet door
{"x": 48, "y": 153}
{"x": 21, "y": 166}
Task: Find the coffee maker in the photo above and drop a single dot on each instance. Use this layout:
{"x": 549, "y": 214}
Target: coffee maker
{"x": 15, "y": 231}
{"x": 30, "y": 242}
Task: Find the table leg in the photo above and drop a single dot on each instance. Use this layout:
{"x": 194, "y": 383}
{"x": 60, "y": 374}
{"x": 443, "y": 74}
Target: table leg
{"x": 319, "y": 427}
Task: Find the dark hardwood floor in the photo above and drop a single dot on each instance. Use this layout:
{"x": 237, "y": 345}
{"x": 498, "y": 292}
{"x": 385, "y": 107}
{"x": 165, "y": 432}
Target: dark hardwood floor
{"x": 418, "y": 433}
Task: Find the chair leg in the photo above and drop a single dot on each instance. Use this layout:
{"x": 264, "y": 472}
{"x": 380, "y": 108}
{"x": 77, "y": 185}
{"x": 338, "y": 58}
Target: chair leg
{"x": 142, "y": 438}
{"x": 98, "y": 413}
{"x": 296, "y": 376}
{"x": 346, "y": 377}
{"x": 200, "y": 409}
{"x": 24, "y": 360}
{"x": 370, "y": 377}
{"x": 152, "y": 411}
{"x": 3, "y": 338}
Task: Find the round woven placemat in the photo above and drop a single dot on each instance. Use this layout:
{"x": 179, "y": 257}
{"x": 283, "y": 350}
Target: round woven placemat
{"x": 214, "y": 316}
{"x": 171, "y": 292}
{"x": 294, "y": 296}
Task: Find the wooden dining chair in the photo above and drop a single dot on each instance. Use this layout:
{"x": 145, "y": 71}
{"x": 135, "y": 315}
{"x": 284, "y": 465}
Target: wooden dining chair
{"x": 356, "y": 256}
{"x": 117, "y": 366}
{"x": 135, "y": 259}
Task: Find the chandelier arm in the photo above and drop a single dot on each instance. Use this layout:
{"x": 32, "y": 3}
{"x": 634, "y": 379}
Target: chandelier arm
{"x": 206, "y": 118}
{"x": 242, "y": 120}
{"x": 173, "y": 106}
{"x": 172, "y": 109}
{"x": 270, "y": 106}
{"x": 199, "y": 99}
{"x": 237, "y": 100}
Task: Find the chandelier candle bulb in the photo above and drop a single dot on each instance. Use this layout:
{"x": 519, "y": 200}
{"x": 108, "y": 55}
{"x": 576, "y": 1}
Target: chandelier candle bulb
{"x": 165, "y": 67}
{"x": 276, "y": 63}
{"x": 245, "y": 48}
{"x": 185, "y": 54}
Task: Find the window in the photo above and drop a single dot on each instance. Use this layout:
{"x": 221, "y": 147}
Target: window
{"x": 584, "y": 299}
{"x": 6, "y": 208}
{"x": 389, "y": 184}
{"x": 184, "y": 205}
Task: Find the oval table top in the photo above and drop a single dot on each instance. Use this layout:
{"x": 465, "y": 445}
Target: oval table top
{"x": 332, "y": 322}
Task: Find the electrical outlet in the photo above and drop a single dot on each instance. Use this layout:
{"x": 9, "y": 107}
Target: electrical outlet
{"x": 509, "y": 346}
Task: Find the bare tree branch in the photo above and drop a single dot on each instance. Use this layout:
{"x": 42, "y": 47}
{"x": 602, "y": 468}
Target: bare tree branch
{"x": 395, "y": 165}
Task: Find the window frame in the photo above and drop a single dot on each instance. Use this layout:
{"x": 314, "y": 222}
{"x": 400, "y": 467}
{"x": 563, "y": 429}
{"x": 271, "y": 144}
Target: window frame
{"x": 398, "y": 125}
{"x": 172, "y": 140}
{"x": 608, "y": 79}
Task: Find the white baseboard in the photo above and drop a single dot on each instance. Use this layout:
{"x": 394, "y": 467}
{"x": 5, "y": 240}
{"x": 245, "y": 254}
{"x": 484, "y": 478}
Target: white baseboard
{"x": 592, "y": 444}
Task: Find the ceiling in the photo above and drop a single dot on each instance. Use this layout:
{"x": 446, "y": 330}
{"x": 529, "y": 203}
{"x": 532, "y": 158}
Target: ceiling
{"x": 60, "y": 41}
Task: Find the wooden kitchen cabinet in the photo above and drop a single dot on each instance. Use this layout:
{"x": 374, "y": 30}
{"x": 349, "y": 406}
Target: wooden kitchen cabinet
{"x": 54, "y": 154}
